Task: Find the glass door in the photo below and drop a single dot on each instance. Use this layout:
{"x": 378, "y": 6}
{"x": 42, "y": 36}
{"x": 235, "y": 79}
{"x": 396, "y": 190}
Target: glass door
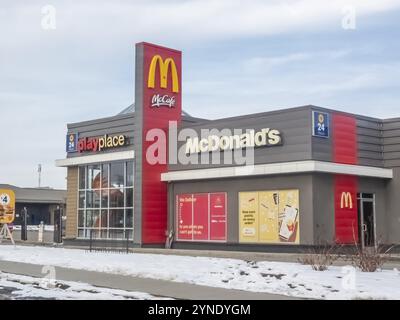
{"x": 366, "y": 219}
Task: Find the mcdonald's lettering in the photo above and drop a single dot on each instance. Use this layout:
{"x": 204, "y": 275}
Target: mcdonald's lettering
{"x": 164, "y": 67}
{"x": 346, "y": 200}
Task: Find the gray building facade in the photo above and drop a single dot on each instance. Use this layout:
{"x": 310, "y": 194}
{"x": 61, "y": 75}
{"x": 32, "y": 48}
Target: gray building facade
{"x": 302, "y": 164}
{"x": 275, "y": 180}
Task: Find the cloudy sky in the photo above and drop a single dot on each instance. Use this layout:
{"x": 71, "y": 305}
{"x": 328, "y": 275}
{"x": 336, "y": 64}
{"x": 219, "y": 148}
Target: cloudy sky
{"x": 239, "y": 57}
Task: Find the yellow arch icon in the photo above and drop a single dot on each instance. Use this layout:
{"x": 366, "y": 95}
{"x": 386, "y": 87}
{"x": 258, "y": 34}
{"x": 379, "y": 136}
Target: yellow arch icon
{"x": 164, "y": 67}
{"x": 346, "y": 200}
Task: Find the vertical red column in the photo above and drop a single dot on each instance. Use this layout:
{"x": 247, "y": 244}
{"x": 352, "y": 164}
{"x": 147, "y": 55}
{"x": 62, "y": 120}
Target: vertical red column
{"x": 158, "y": 100}
{"x": 345, "y": 186}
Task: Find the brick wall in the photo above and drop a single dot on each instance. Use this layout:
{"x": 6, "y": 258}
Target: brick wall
{"x": 72, "y": 203}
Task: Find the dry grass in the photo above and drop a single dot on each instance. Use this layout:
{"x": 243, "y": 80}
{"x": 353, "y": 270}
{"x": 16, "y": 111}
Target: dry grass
{"x": 321, "y": 257}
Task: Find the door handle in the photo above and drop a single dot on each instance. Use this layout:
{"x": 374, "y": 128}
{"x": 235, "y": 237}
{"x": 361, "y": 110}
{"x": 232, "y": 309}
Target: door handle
{"x": 364, "y": 227}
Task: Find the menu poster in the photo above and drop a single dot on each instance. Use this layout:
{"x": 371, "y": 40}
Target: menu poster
{"x": 269, "y": 216}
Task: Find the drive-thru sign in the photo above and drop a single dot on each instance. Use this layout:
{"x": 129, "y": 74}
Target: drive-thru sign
{"x": 7, "y": 212}
{"x": 7, "y": 206}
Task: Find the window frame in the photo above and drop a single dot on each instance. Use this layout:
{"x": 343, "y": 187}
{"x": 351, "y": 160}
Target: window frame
{"x": 83, "y": 232}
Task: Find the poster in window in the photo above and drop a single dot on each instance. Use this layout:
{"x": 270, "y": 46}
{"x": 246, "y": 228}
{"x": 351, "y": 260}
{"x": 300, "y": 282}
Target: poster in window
{"x": 289, "y": 216}
{"x": 269, "y": 216}
{"x": 218, "y": 216}
{"x": 200, "y": 216}
{"x": 184, "y": 216}
{"x": 248, "y": 215}
{"x": 269, "y": 212}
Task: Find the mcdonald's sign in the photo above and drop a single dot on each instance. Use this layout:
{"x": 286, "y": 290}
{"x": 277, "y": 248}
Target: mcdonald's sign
{"x": 164, "y": 67}
{"x": 158, "y": 101}
{"x": 346, "y": 200}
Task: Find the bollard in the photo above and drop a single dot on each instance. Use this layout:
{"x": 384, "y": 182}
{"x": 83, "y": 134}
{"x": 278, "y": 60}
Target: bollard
{"x": 41, "y": 232}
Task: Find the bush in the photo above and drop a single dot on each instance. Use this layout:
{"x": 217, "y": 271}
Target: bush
{"x": 369, "y": 259}
{"x": 321, "y": 257}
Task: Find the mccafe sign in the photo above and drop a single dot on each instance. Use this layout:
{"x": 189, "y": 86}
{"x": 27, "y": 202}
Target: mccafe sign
{"x": 95, "y": 144}
{"x": 163, "y": 101}
{"x": 166, "y": 67}
{"x": 251, "y": 139}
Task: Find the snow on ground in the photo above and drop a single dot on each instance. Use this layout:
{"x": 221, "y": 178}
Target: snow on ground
{"x": 290, "y": 279}
{"x": 14, "y": 286}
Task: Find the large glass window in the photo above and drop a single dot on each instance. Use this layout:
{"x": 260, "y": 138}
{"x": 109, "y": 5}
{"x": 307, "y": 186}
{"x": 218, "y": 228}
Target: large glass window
{"x": 105, "y": 200}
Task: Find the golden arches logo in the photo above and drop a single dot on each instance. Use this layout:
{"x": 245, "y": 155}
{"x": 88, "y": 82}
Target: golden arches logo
{"x": 346, "y": 200}
{"x": 164, "y": 66}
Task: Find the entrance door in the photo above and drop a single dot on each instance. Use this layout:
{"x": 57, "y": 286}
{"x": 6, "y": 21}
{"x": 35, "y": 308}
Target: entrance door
{"x": 366, "y": 219}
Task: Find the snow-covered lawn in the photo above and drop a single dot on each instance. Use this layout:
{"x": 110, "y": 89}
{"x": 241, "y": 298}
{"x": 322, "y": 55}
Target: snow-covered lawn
{"x": 291, "y": 279}
{"x": 14, "y": 286}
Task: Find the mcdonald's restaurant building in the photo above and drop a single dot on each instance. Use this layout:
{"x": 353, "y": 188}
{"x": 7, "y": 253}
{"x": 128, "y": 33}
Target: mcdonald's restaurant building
{"x": 315, "y": 174}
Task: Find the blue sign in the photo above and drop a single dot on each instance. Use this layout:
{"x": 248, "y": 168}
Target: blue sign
{"x": 320, "y": 124}
{"x": 72, "y": 142}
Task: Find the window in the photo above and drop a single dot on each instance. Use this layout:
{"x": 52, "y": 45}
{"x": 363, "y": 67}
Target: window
{"x": 117, "y": 175}
{"x": 105, "y": 200}
{"x": 82, "y": 178}
{"x": 269, "y": 216}
{"x": 93, "y": 177}
{"x": 129, "y": 174}
{"x": 201, "y": 216}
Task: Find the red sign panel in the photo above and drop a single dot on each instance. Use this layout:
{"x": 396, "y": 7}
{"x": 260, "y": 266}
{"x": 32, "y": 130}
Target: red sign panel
{"x": 346, "y": 187}
{"x": 159, "y": 103}
{"x": 218, "y": 216}
{"x": 346, "y": 211}
{"x": 201, "y": 217}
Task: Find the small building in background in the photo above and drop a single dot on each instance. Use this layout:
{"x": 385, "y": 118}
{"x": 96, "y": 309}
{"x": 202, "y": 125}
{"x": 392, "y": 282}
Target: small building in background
{"x": 40, "y": 203}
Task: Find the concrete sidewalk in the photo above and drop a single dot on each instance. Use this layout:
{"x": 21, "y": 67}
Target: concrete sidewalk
{"x": 154, "y": 287}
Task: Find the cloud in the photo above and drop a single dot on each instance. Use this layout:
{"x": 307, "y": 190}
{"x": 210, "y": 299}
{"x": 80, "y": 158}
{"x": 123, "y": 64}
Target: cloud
{"x": 85, "y": 68}
{"x": 183, "y": 21}
{"x": 261, "y": 64}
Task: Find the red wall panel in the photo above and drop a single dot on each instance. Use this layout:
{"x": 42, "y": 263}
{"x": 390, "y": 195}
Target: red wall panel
{"x": 344, "y": 139}
{"x": 345, "y": 186}
{"x": 346, "y": 211}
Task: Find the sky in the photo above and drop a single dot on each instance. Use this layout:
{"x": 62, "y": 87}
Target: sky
{"x": 69, "y": 61}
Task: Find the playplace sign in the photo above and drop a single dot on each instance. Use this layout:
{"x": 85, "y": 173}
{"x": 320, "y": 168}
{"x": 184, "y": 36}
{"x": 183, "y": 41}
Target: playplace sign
{"x": 98, "y": 144}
